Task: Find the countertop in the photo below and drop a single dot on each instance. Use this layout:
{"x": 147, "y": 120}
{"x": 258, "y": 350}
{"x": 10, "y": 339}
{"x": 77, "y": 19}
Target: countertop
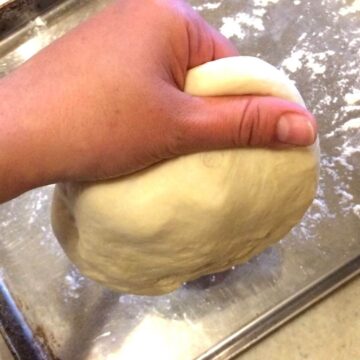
{"x": 328, "y": 330}
{"x": 4, "y": 352}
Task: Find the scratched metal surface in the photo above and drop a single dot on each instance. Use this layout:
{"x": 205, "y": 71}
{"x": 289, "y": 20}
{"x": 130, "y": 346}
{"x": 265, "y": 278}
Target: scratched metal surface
{"x": 69, "y": 317}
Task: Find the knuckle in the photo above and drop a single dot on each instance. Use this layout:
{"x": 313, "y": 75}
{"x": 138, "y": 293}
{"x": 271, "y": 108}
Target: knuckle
{"x": 250, "y": 125}
{"x": 177, "y": 132}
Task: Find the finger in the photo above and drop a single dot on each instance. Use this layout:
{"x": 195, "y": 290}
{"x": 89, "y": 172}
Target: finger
{"x": 226, "y": 122}
{"x": 222, "y": 46}
{"x": 206, "y": 43}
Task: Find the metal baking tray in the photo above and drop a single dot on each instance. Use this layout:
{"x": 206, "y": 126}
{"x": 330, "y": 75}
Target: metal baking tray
{"x": 49, "y": 311}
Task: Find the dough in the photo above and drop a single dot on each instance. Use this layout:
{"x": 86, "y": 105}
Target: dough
{"x": 149, "y": 232}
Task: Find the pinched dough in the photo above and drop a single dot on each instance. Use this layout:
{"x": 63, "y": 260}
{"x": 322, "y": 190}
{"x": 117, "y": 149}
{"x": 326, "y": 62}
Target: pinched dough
{"x": 149, "y": 232}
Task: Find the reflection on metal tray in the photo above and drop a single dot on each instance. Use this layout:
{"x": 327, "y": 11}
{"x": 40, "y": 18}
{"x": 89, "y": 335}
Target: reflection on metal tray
{"x": 16, "y": 13}
{"x": 48, "y": 310}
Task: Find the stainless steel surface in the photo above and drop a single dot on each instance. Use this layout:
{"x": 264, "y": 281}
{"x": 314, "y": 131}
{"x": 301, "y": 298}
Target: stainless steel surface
{"x": 16, "y": 13}
{"x": 216, "y": 316}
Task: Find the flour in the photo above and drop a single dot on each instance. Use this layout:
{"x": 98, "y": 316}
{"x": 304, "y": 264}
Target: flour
{"x": 259, "y": 12}
{"x": 231, "y": 27}
{"x": 38, "y": 23}
{"x": 207, "y": 6}
{"x": 339, "y": 106}
{"x": 235, "y": 26}
{"x": 353, "y": 97}
{"x": 356, "y": 210}
{"x": 265, "y": 2}
{"x": 294, "y": 62}
{"x": 73, "y": 284}
{"x": 315, "y": 62}
{"x": 351, "y": 9}
{"x": 345, "y": 157}
{"x": 250, "y": 22}
{"x": 351, "y": 124}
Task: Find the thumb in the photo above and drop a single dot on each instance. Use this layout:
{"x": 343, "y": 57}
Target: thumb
{"x": 240, "y": 121}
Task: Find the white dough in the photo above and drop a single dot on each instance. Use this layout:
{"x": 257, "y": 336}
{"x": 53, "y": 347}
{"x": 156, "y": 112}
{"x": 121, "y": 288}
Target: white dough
{"x": 198, "y": 214}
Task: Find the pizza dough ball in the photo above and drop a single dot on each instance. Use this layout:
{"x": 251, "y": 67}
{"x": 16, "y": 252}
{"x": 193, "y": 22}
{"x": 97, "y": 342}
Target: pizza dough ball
{"x": 149, "y": 232}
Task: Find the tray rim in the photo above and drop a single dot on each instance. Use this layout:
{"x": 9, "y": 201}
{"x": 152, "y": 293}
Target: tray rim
{"x": 260, "y": 327}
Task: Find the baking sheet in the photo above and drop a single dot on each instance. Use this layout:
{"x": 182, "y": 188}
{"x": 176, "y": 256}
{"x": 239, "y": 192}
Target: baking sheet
{"x": 57, "y": 313}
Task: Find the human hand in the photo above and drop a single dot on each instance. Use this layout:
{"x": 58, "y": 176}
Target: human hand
{"x": 112, "y": 99}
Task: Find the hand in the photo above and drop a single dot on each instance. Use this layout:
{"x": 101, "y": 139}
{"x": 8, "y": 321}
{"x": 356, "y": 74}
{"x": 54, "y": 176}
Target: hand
{"x": 107, "y": 100}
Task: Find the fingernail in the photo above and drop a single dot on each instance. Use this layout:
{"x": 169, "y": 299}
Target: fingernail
{"x": 295, "y": 129}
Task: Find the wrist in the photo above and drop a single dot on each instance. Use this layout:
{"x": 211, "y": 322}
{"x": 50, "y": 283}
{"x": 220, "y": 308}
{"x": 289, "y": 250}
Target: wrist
{"x": 22, "y": 162}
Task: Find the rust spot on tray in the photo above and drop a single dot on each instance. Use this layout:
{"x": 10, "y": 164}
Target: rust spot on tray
{"x": 46, "y": 341}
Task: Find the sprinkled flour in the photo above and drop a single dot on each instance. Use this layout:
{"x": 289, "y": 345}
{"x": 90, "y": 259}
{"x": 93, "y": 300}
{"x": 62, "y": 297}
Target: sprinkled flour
{"x": 356, "y": 210}
{"x": 313, "y": 61}
{"x": 353, "y": 97}
{"x": 207, "y": 6}
{"x": 73, "y": 283}
{"x": 265, "y": 2}
{"x": 351, "y": 9}
{"x": 234, "y": 26}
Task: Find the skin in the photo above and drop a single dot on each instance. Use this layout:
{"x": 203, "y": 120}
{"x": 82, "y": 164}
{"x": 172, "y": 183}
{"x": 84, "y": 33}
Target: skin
{"x": 107, "y": 100}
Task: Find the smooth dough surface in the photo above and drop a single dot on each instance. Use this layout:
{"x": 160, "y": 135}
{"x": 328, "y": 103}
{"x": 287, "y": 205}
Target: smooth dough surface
{"x": 149, "y": 232}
